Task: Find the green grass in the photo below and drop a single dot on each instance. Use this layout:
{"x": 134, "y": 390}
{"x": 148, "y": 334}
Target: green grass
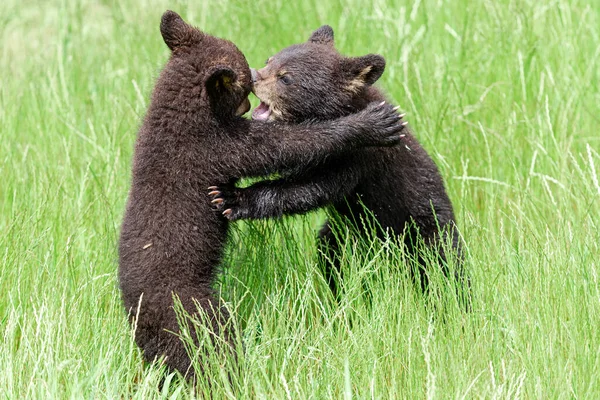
{"x": 504, "y": 95}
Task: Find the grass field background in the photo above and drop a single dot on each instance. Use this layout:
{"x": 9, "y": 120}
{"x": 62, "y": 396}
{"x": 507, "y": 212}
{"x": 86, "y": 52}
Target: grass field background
{"x": 505, "y": 96}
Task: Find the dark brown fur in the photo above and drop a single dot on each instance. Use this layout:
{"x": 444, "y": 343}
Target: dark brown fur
{"x": 400, "y": 186}
{"x": 171, "y": 240}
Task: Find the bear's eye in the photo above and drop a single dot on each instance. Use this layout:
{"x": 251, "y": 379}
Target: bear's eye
{"x": 286, "y": 79}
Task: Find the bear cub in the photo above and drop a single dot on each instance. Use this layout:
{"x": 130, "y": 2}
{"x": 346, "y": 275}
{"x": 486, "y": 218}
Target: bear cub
{"x": 193, "y": 135}
{"x": 400, "y": 187}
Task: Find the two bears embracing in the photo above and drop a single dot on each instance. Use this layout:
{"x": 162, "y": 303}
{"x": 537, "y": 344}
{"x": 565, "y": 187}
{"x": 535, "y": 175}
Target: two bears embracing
{"x": 321, "y": 126}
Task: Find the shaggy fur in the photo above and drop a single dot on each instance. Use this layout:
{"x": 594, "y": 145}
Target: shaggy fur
{"x": 400, "y": 186}
{"x": 192, "y": 136}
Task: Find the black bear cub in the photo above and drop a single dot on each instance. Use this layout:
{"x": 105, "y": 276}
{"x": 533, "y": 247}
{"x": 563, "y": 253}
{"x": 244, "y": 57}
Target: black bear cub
{"x": 193, "y": 136}
{"x": 400, "y": 186}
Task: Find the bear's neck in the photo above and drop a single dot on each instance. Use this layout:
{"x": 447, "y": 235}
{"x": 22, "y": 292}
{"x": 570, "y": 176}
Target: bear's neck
{"x": 370, "y": 94}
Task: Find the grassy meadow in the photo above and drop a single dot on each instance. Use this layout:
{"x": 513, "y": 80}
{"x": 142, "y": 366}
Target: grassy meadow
{"x": 505, "y": 96}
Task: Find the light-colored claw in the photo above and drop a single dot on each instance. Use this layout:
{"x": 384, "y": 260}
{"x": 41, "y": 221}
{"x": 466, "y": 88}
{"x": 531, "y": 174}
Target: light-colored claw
{"x": 402, "y": 115}
{"x": 403, "y": 135}
{"x": 396, "y": 108}
{"x": 217, "y": 201}
{"x": 227, "y": 212}
{"x": 382, "y": 103}
{"x": 214, "y": 193}
{"x": 212, "y": 188}
{"x": 404, "y": 123}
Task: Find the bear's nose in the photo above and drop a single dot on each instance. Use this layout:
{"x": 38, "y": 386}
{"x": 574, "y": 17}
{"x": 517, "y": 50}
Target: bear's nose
{"x": 255, "y": 75}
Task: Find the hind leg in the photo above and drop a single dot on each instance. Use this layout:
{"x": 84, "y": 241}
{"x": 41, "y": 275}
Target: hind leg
{"x": 329, "y": 258}
{"x": 461, "y": 275}
{"x": 447, "y": 247}
{"x": 159, "y": 327}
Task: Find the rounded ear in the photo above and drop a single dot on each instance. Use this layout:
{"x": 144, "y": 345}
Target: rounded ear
{"x": 365, "y": 70}
{"x": 323, "y": 35}
{"x": 176, "y": 32}
{"x": 219, "y": 81}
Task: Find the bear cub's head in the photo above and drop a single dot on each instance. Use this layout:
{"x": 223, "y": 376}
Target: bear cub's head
{"x": 313, "y": 81}
{"x": 204, "y": 70}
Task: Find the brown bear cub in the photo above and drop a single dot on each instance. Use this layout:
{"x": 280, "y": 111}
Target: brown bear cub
{"x": 193, "y": 136}
{"x": 399, "y": 186}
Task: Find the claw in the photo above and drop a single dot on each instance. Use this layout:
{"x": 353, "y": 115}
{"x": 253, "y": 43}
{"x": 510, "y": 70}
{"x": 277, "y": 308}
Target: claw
{"x": 227, "y": 212}
{"x": 402, "y": 115}
{"x": 217, "y": 201}
{"x": 404, "y": 123}
{"x": 214, "y": 193}
{"x": 396, "y": 108}
{"x": 382, "y": 103}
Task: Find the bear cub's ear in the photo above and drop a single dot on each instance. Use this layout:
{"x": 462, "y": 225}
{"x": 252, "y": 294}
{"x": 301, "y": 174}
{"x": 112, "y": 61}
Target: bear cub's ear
{"x": 365, "y": 70}
{"x": 176, "y": 32}
{"x": 220, "y": 80}
{"x": 323, "y": 35}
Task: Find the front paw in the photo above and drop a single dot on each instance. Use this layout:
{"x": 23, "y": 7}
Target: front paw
{"x": 225, "y": 200}
{"x": 383, "y": 125}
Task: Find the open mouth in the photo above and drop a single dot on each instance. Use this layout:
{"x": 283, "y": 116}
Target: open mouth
{"x": 262, "y": 112}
